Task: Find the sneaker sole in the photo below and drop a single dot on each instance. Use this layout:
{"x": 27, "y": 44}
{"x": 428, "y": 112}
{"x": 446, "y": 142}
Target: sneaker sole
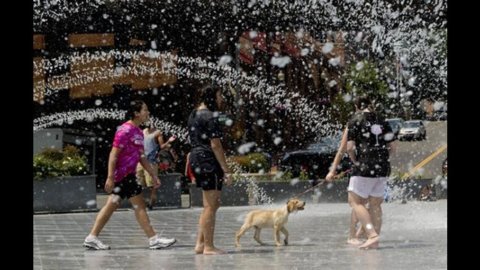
{"x": 92, "y": 247}
{"x": 160, "y": 246}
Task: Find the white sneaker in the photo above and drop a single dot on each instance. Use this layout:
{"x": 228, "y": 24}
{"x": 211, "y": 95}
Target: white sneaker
{"x": 161, "y": 242}
{"x": 95, "y": 243}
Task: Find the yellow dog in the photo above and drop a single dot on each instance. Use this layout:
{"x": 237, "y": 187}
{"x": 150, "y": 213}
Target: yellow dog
{"x": 275, "y": 219}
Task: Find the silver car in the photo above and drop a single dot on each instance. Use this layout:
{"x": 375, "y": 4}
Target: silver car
{"x": 412, "y": 130}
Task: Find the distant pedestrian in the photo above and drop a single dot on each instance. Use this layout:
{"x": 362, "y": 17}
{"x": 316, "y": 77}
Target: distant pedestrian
{"x": 168, "y": 156}
{"x": 153, "y": 143}
{"x": 127, "y": 151}
{"x": 188, "y": 170}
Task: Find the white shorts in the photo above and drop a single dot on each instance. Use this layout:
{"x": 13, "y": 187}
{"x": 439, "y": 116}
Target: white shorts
{"x": 367, "y": 186}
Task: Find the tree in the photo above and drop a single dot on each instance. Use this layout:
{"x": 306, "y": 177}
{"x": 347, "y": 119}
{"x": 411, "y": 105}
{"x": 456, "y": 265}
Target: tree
{"x": 361, "y": 78}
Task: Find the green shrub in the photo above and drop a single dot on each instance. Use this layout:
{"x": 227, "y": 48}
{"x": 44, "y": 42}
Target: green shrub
{"x": 283, "y": 176}
{"x": 303, "y": 176}
{"x": 252, "y": 163}
{"x": 55, "y": 163}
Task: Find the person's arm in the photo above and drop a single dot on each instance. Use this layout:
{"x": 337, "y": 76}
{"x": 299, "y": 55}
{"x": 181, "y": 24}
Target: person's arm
{"x": 188, "y": 170}
{"x": 338, "y": 157}
{"x": 187, "y": 163}
{"x": 146, "y": 165}
{"x": 112, "y": 163}
{"x": 351, "y": 138}
{"x": 174, "y": 155}
{"x": 217, "y": 148}
{"x": 351, "y": 151}
{"x": 164, "y": 145}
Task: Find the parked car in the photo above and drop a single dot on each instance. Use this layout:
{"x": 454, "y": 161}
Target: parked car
{"x": 315, "y": 160}
{"x": 444, "y": 168}
{"x": 413, "y": 130}
{"x": 395, "y": 124}
{"x": 440, "y": 115}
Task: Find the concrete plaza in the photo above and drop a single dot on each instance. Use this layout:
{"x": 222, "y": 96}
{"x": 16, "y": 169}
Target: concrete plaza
{"x": 414, "y": 236}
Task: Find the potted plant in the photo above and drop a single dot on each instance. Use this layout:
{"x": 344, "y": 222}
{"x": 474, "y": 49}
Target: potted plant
{"x": 62, "y": 181}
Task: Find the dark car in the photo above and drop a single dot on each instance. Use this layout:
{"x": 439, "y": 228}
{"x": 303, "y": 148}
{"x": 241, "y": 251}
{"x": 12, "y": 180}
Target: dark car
{"x": 395, "y": 124}
{"x": 315, "y": 160}
{"x": 440, "y": 115}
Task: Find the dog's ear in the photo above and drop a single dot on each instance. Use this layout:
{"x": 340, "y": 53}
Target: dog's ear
{"x": 290, "y": 206}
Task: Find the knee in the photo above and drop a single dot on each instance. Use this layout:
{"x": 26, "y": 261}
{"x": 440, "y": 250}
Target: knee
{"x": 375, "y": 205}
{"x": 215, "y": 207}
{"x": 139, "y": 209}
{"x": 375, "y": 209}
{"x": 352, "y": 202}
{"x": 210, "y": 208}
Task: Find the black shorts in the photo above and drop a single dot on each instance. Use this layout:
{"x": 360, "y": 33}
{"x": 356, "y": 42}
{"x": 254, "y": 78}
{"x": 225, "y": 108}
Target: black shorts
{"x": 128, "y": 187}
{"x": 210, "y": 181}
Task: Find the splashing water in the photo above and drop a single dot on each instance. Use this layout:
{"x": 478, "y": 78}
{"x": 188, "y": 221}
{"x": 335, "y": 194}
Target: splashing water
{"x": 390, "y": 28}
{"x": 300, "y": 108}
{"x": 419, "y": 27}
{"x": 58, "y": 119}
{"x": 257, "y": 194}
{"x": 387, "y": 26}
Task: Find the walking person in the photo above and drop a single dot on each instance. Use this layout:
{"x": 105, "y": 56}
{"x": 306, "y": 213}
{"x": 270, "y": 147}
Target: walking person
{"x": 354, "y": 232}
{"x": 369, "y": 144}
{"x": 153, "y": 142}
{"x": 167, "y": 155}
{"x": 208, "y": 163}
{"x": 127, "y": 151}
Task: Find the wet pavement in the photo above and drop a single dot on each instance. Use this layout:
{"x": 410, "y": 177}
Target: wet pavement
{"x": 414, "y": 236}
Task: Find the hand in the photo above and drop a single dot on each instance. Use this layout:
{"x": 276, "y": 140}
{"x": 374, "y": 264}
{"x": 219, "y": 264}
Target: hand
{"x": 228, "y": 179}
{"x": 109, "y": 185}
{"x": 173, "y": 138}
{"x": 330, "y": 176}
{"x": 156, "y": 182}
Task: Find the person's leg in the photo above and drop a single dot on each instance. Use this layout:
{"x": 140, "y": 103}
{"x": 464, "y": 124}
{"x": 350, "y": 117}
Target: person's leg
{"x": 211, "y": 203}
{"x": 353, "y": 225}
{"x": 92, "y": 241}
{"x": 149, "y": 184}
{"x": 352, "y": 236}
{"x": 360, "y": 233}
{"x": 199, "y": 244}
{"x": 200, "y": 240}
{"x": 141, "y": 214}
{"x": 155, "y": 241}
{"x": 105, "y": 214}
{"x": 153, "y": 196}
{"x": 375, "y": 201}
{"x": 358, "y": 204}
{"x": 375, "y": 210}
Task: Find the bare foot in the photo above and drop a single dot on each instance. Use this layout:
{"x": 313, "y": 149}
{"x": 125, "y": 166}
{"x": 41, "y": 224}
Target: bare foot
{"x": 371, "y": 243}
{"x": 354, "y": 241}
{"x": 214, "y": 251}
{"x": 199, "y": 249}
